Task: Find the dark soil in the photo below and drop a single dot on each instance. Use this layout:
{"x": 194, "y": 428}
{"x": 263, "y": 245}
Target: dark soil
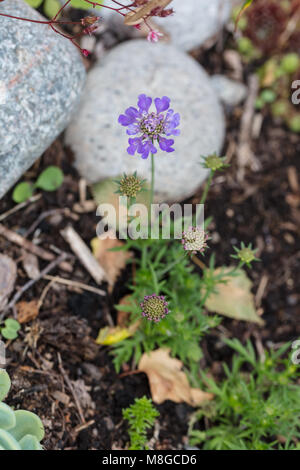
{"x": 262, "y": 207}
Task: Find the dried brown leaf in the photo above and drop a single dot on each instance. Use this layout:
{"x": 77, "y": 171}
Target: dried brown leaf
{"x": 140, "y": 13}
{"x": 167, "y": 380}
{"x": 27, "y": 311}
{"x": 113, "y": 262}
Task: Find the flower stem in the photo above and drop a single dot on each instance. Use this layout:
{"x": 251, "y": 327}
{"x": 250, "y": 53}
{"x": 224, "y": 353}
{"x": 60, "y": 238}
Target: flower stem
{"x": 207, "y": 186}
{"x": 171, "y": 265}
{"x": 152, "y": 180}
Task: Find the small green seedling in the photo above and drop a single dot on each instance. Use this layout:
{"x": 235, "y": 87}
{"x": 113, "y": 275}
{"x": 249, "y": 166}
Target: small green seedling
{"x": 19, "y": 430}
{"x": 140, "y": 416}
{"x": 51, "y": 7}
{"x": 10, "y": 329}
{"x": 49, "y": 180}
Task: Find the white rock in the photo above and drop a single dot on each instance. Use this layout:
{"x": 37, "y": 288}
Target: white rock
{"x": 230, "y": 92}
{"x": 41, "y": 78}
{"x": 99, "y": 142}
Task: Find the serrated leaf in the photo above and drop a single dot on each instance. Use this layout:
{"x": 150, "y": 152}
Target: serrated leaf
{"x": 234, "y": 298}
{"x": 50, "y": 179}
{"x": 22, "y": 192}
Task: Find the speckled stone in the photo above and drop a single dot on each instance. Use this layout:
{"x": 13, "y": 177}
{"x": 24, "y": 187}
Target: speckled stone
{"x": 193, "y": 21}
{"x": 230, "y": 92}
{"x": 41, "y": 79}
{"x": 99, "y": 142}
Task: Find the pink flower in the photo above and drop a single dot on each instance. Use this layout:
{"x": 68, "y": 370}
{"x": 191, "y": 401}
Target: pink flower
{"x": 154, "y": 36}
{"x": 85, "y": 52}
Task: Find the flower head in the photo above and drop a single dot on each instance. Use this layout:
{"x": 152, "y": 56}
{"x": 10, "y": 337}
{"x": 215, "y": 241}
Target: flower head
{"x": 154, "y": 307}
{"x": 194, "y": 240}
{"x": 130, "y": 185}
{"x": 245, "y": 254}
{"x": 154, "y": 36}
{"x": 150, "y": 127}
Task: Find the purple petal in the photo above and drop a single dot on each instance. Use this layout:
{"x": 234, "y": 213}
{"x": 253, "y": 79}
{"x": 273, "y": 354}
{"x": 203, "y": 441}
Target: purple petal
{"x": 134, "y": 145}
{"x": 124, "y": 120}
{"x": 129, "y": 117}
{"x": 133, "y": 129}
{"x": 162, "y": 104}
{"x": 144, "y": 103}
{"x": 147, "y": 148}
{"x": 166, "y": 144}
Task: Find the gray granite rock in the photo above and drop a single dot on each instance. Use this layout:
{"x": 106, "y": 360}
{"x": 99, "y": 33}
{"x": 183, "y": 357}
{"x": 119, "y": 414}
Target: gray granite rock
{"x": 193, "y": 22}
{"x": 230, "y": 92}
{"x": 41, "y": 79}
{"x": 99, "y": 142}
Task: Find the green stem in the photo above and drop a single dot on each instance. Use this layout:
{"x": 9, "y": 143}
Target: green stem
{"x": 168, "y": 268}
{"x": 152, "y": 180}
{"x": 207, "y": 186}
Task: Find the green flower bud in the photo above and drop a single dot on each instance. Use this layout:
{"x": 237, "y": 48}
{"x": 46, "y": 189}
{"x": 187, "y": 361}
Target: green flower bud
{"x": 214, "y": 163}
{"x": 130, "y": 186}
{"x": 245, "y": 254}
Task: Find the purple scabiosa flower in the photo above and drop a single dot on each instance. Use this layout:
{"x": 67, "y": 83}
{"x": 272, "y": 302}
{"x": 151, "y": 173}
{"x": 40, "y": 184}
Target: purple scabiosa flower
{"x": 194, "y": 240}
{"x": 150, "y": 127}
{"x": 154, "y": 307}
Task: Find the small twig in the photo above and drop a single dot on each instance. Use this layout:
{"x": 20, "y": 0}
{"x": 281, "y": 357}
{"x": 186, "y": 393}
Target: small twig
{"x": 69, "y": 384}
{"x": 84, "y": 254}
{"x": 44, "y": 293}
{"x": 30, "y": 283}
{"x": 20, "y": 206}
{"x": 46, "y": 214}
{"x": 79, "y": 285}
{"x": 84, "y": 426}
{"x": 261, "y": 289}
{"x": 29, "y": 246}
{"x": 244, "y": 152}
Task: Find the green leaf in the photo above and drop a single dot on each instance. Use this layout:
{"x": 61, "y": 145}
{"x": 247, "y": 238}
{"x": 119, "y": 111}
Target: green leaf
{"x": 246, "y": 4}
{"x": 7, "y": 417}
{"x": 12, "y": 324}
{"x": 83, "y": 5}
{"x": 7, "y": 333}
{"x": 51, "y": 7}
{"x": 34, "y": 3}
{"x": 50, "y": 179}
{"x": 234, "y": 298}
{"x": 11, "y": 328}
{"x": 27, "y": 423}
{"x": 22, "y": 192}
{"x": 4, "y": 384}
